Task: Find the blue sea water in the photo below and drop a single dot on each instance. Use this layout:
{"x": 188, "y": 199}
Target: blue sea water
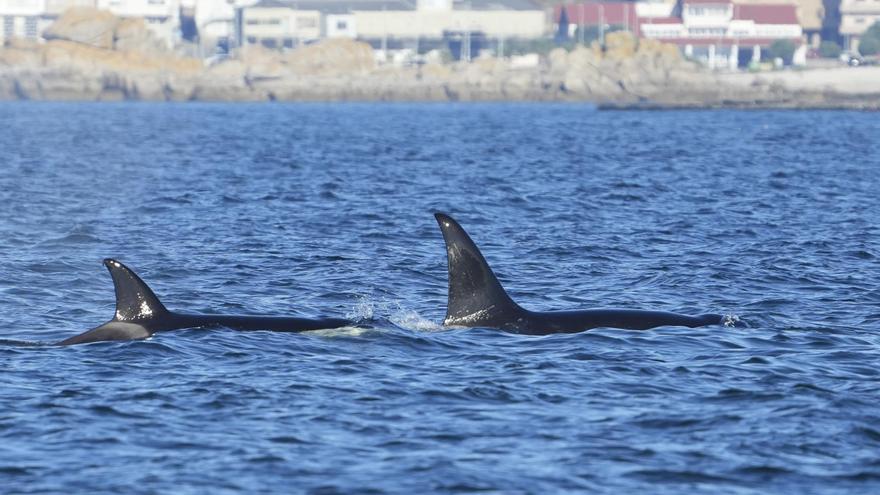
{"x": 325, "y": 210}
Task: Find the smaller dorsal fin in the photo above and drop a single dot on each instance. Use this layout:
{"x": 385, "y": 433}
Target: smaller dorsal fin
{"x": 135, "y": 301}
{"x": 475, "y": 295}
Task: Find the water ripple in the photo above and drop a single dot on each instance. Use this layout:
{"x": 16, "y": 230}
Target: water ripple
{"x": 326, "y": 210}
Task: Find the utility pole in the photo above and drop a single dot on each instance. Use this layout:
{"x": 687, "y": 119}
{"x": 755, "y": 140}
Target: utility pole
{"x": 384, "y": 36}
{"x": 581, "y": 35}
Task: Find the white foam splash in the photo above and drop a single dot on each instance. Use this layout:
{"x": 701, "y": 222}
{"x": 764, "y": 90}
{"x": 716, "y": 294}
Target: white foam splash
{"x": 339, "y": 332}
{"x": 729, "y": 320}
{"x": 368, "y": 308}
{"x": 411, "y": 320}
{"x": 363, "y": 310}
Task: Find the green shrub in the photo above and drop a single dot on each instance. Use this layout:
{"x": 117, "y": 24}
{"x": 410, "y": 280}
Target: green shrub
{"x": 829, "y": 49}
{"x": 873, "y": 31}
{"x": 869, "y": 46}
{"x": 783, "y": 49}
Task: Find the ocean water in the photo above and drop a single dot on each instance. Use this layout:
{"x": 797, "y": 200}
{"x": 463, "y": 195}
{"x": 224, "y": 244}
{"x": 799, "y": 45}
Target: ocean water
{"x": 325, "y": 210}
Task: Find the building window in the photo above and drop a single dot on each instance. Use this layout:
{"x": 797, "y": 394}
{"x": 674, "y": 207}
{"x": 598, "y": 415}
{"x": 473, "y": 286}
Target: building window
{"x": 30, "y": 27}
{"x": 860, "y": 20}
{"x": 341, "y": 25}
{"x": 288, "y": 42}
{"x": 263, "y": 22}
{"x": 706, "y": 32}
{"x": 156, "y": 2}
{"x": 269, "y": 42}
{"x": 8, "y": 26}
{"x": 251, "y": 40}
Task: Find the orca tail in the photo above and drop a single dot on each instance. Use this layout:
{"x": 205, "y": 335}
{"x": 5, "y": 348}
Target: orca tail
{"x": 135, "y": 300}
{"x": 475, "y": 295}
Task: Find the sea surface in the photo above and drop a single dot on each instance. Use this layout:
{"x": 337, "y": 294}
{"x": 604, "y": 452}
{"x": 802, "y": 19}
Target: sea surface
{"x": 772, "y": 218}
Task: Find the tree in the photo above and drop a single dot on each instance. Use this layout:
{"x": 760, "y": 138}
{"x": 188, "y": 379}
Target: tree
{"x": 829, "y": 49}
{"x": 873, "y": 31}
{"x": 869, "y": 46}
{"x": 562, "y": 32}
{"x": 869, "y": 43}
{"x": 783, "y": 49}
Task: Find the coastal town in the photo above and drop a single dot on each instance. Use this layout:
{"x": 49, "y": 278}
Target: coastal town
{"x": 690, "y": 52}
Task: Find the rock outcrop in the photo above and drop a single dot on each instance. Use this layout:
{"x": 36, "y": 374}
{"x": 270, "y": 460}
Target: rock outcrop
{"x": 92, "y": 55}
{"x": 84, "y": 25}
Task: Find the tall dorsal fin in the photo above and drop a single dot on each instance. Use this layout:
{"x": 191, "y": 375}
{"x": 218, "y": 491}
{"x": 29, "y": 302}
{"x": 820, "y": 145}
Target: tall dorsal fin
{"x": 134, "y": 299}
{"x": 475, "y": 295}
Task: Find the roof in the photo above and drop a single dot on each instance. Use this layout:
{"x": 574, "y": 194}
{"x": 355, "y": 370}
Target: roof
{"x": 269, "y": 4}
{"x": 767, "y": 13}
{"x": 741, "y": 42}
{"x": 496, "y": 5}
{"x": 590, "y": 13}
{"x": 660, "y": 20}
{"x": 343, "y": 6}
{"x": 338, "y": 6}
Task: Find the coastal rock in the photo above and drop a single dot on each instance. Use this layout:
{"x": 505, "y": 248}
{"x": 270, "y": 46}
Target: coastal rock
{"x": 327, "y": 57}
{"x": 331, "y": 56}
{"x": 133, "y": 35}
{"x": 135, "y": 66}
{"x": 620, "y": 45}
{"x": 20, "y": 54}
{"x": 657, "y": 54}
{"x": 85, "y": 25}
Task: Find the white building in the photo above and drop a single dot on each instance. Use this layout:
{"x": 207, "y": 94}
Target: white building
{"x": 277, "y": 24}
{"x": 856, "y": 16}
{"x": 22, "y": 18}
{"x": 28, "y": 18}
{"x": 390, "y": 22}
{"x": 161, "y": 16}
{"x": 216, "y": 21}
{"x": 723, "y": 34}
{"x": 431, "y": 19}
{"x": 340, "y": 25}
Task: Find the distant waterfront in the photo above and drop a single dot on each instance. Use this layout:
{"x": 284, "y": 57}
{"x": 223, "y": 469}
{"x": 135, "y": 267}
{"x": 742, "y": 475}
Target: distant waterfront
{"x": 625, "y": 72}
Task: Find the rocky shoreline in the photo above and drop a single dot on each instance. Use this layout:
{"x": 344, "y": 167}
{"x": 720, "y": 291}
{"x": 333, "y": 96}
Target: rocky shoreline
{"x": 624, "y": 74}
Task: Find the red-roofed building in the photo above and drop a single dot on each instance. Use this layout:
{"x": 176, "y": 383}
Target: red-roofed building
{"x": 767, "y": 14}
{"x": 720, "y": 33}
{"x": 596, "y": 13}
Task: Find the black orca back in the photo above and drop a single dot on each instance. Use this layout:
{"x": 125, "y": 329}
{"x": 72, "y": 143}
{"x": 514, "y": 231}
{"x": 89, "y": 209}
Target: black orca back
{"x": 476, "y": 298}
{"x": 135, "y": 301}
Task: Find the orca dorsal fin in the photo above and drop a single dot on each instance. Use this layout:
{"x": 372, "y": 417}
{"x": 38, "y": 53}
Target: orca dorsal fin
{"x": 135, "y": 301}
{"x": 475, "y": 295}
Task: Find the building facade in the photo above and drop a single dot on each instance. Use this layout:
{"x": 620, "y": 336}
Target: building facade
{"x": 719, "y": 33}
{"x": 28, "y": 18}
{"x": 162, "y": 17}
{"x": 22, "y": 18}
{"x": 856, "y": 16}
{"x": 723, "y": 34}
{"x": 386, "y": 22}
{"x": 276, "y": 24}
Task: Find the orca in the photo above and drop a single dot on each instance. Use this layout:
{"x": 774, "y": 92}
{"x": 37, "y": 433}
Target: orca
{"x": 477, "y": 299}
{"x": 139, "y": 315}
